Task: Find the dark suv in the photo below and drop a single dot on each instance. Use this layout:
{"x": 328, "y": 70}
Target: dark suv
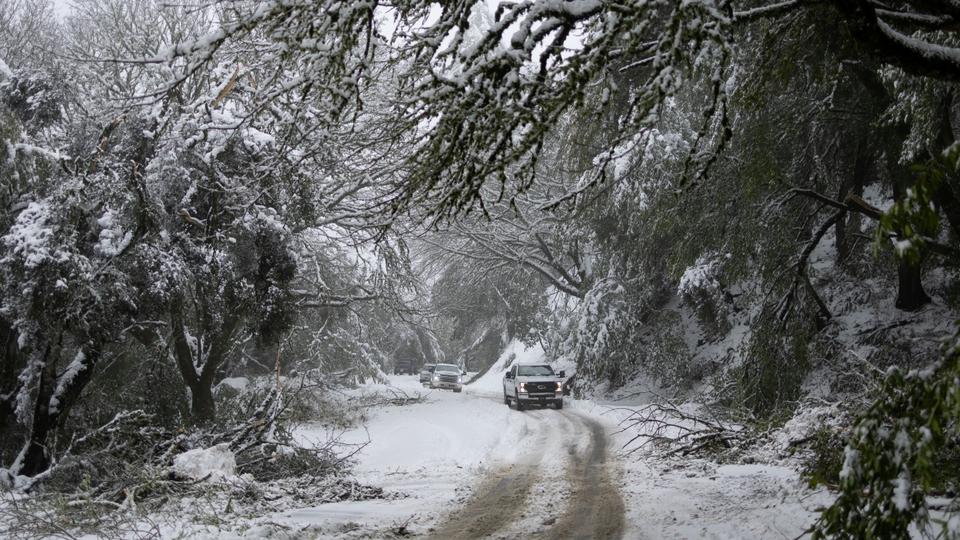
{"x": 403, "y": 367}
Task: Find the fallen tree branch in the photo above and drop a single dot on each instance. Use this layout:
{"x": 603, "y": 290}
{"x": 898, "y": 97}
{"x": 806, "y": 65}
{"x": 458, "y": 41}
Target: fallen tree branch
{"x": 682, "y": 433}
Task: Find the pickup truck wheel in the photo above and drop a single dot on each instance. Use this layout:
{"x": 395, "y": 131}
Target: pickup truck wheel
{"x": 506, "y": 400}
{"x": 519, "y": 404}
{"x": 558, "y": 404}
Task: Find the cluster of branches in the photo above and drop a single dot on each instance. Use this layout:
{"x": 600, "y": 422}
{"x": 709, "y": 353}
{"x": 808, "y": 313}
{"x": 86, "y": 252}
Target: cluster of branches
{"x": 666, "y": 425}
{"x": 118, "y": 480}
{"x": 196, "y": 224}
{"x": 167, "y": 200}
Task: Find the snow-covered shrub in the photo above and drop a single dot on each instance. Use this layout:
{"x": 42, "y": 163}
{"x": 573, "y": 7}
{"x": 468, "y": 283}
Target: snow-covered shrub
{"x": 36, "y": 96}
{"x": 595, "y": 335}
{"x": 773, "y": 365}
{"x": 894, "y": 457}
{"x": 701, "y": 289}
{"x": 662, "y": 352}
{"x": 620, "y": 331}
{"x": 825, "y": 460}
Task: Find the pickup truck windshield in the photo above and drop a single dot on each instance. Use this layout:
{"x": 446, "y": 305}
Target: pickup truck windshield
{"x": 447, "y": 367}
{"x": 534, "y": 371}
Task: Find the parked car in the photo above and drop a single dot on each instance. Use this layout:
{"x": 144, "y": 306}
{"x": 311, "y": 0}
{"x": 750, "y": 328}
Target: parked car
{"x": 447, "y": 376}
{"x": 404, "y": 367}
{"x": 426, "y": 373}
{"x": 529, "y": 384}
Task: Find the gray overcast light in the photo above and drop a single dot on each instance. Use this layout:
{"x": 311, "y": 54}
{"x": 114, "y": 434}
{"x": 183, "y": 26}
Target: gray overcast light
{"x": 479, "y": 269}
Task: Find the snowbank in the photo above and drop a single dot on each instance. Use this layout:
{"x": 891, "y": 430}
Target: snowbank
{"x": 217, "y": 462}
{"x": 425, "y": 451}
{"x": 515, "y": 352}
{"x": 237, "y": 383}
{"x": 447, "y": 430}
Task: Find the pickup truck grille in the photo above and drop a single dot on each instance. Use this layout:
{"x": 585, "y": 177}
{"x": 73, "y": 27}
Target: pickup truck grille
{"x": 447, "y": 378}
{"x": 541, "y": 387}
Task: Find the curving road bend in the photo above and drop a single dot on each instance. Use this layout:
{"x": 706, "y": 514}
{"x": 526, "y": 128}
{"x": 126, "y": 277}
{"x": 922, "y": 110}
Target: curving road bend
{"x": 559, "y": 487}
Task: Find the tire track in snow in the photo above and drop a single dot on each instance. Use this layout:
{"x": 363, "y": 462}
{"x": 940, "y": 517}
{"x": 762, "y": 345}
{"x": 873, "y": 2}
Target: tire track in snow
{"x": 595, "y": 508}
{"x": 501, "y": 506}
{"x": 501, "y": 497}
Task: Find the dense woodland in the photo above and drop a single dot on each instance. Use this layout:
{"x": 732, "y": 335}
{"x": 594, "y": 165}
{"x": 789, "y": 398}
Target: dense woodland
{"x": 750, "y": 203}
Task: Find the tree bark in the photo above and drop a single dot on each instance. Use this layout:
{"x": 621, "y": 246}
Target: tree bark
{"x": 199, "y": 379}
{"x": 36, "y": 455}
{"x": 55, "y": 397}
{"x": 201, "y": 406}
{"x": 910, "y": 293}
{"x": 853, "y": 184}
{"x": 946, "y": 196}
{"x": 11, "y": 362}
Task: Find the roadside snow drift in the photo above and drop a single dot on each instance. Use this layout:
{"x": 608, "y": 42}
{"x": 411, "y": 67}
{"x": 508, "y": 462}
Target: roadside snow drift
{"x": 515, "y": 353}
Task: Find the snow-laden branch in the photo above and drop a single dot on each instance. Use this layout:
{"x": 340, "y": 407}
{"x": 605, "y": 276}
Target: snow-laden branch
{"x": 771, "y": 10}
{"x": 939, "y": 59}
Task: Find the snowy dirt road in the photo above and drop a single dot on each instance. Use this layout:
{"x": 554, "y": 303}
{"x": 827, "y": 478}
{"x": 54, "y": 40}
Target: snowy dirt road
{"x": 579, "y": 499}
{"x": 469, "y": 466}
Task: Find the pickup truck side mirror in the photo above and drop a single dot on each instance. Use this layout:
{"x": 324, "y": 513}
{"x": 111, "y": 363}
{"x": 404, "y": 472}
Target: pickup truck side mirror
{"x": 509, "y": 375}
{"x": 562, "y": 374}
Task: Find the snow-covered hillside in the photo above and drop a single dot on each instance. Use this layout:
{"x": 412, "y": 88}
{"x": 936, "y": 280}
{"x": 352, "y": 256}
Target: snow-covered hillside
{"x": 491, "y": 380}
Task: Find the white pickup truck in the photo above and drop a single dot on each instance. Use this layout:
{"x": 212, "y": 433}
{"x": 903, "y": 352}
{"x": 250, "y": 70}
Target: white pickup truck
{"x": 528, "y": 384}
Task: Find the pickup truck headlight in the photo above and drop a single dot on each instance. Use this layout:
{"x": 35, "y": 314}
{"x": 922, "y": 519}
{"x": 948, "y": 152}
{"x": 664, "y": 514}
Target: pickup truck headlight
{"x": 523, "y": 387}
{"x": 436, "y": 377}
{"x": 559, "y": 386}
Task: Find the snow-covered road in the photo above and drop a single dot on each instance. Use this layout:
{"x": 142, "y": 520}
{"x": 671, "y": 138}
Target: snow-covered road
{"x": 468, "y": 466}
{"x": 558, "y": 487}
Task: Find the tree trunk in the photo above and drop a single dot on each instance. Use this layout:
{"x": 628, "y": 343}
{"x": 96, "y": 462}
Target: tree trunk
{"x": 55, "y": 397}
{"x": 910, "y": 293}
{"x": 36, "y": 454}
{"x": 850, "y": 222}
{"x": 946, "y": 196}
{"x": 11, "y": 362}
{"x": 202, "y": 406}
{"x": 200, "y": 383}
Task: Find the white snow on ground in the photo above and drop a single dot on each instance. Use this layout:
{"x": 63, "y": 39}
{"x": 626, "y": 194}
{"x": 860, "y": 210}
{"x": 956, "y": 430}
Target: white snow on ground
{"x": 237, "y": 383}
{"x": 437, "y": 452}
{"x": 215, "y": 463}
{"x": 431, "y": 457}
{"x": 697, "y": 498}
{"x": 425, "y": 451}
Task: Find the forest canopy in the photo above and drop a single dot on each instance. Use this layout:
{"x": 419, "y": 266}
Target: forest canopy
{"x": 754, "y": 201}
